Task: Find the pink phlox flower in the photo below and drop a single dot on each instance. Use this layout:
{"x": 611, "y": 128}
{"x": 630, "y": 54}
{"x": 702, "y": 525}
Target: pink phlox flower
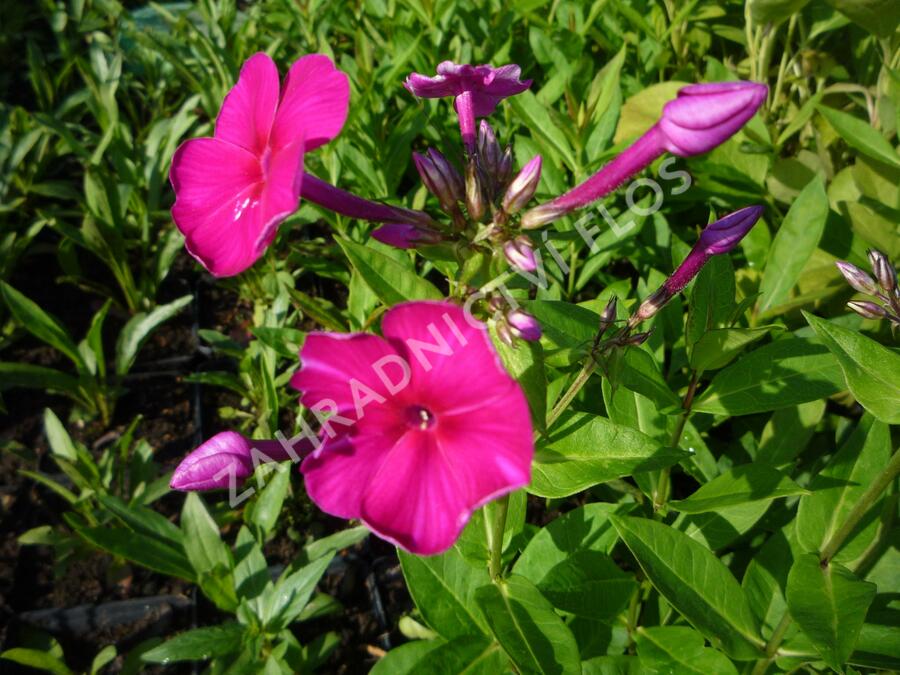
{"x": 421, "y": 426}
{"x": 233, "y": 190}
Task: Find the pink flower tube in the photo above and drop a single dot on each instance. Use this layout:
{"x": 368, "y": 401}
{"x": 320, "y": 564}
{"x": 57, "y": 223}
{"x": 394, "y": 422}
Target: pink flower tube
{"x": 702, "y": 117}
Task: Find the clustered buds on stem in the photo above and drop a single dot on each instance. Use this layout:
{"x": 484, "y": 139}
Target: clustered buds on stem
{"x": 519, "y": 253}
{"x": 882, "y": 289}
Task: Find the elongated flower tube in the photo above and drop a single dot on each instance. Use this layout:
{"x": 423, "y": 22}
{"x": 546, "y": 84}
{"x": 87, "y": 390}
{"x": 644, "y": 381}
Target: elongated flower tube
{"x": 405, "y": 235}
{"x": 717, "y": 238}
{"x": 421, "y": 426}
{"x": 348, "y": 204}
{"x": 234, "y": 189}
{"x": 702, "y": 117}
{"x": 228, "y": 458}
{"x": 476, "y": 90}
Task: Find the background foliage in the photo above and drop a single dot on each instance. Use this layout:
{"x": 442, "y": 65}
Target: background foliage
{"x": 679, "y": 514}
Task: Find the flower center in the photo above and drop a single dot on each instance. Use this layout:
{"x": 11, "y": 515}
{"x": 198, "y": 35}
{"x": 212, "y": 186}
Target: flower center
{"x": 419, "y": 417}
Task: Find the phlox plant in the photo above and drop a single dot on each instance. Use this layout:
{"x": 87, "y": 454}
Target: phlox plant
{"x": 432, "y": 433}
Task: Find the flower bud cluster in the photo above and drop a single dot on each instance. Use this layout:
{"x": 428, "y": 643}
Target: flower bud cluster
{"x": 881, "y": 287}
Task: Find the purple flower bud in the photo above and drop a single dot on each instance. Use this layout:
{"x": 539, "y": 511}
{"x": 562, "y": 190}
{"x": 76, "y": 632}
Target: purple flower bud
{"x": 439, "y": 176}
{"x": 608, "y": 316}
{"x": 717, "y": 238}
{"x": 504, "y": 167}
{"x": 636, "y": 339}
{"x": 868, "y": 310}
{"x": 861, "y": 281}
{"x": 523, "y": 186}
{"x": 884, "y": 271}
{"x": 520, "y": 254}
{"x": 403, "y": 235}
{"x": 524, "y": 326}
{"x": 651, "y": 305}
{"x": 229, "y": 456}
{"x": 488, "y": 148}
{"x": 505, "y": 333}
{"x": 706, "y": 115}
{"x": 475, "y": 197}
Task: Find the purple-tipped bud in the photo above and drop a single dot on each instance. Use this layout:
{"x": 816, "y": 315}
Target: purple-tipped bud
{"x": 524, "y": 326}
{"x": 475, "y": 197}
{"x": 651, "y": 305}
{"x": 228, "y": 457}
{"x": 884, "y": 271}
{"x": 861, "y": 281}
{"x": 505, "y": 333}
{"x": 520, "y": 254}
{"x": 523, "y": 186}
{"x": 489, "y": 152}
{"x": 868, "y": 310}
{"x": 636, "y": 339}
{"x": 706, "y": 115}
{"x": 727, "y": 232}
{"x": 439, "y": 176}
{"x": 403, "y": 235}
{"x": 608, "y": 316}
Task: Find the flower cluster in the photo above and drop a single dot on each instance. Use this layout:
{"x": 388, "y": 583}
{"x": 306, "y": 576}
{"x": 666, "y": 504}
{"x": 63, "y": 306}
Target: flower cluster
{"x": 883, "y": 290}
{"x": 418, "y": 427}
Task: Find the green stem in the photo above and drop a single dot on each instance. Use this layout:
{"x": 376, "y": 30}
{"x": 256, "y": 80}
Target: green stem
{"x": 772, "y": 645}
{"x": 661, "y": 494}
{"x": 589, "y": 366}
{"x": 782, "y": 67}
{"x": 496, "y": 528}
{"x": 863, "y": 504}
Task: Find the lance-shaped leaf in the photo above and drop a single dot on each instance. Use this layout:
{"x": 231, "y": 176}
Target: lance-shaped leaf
{"x": 527, "y": 628}
{"x": 584, "y": 450}
{"x": 695, "y": 582}
{"x": 829, "y": 604}
{"x": 742, "y": 484}
{"x": 388, "y": 279}
{"x": 872, "y": 370}
{"x": 679, "y": 649}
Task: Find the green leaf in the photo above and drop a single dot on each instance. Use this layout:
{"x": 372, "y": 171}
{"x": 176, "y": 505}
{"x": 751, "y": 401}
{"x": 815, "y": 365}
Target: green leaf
{"x": 860, "y": 136}
{"x": 40, "y": 324}
{"x": 794, "y": 244}
{"x": 877, "y": 16}
{"x": 199, "y": 644}
{"x": 525, "y": 625}
{"x": 144, "y": 520}
{"x": 712, "y": 299}
{"x": 774, "y": 11}
{"x": 141, "y": 549}
{"x": 390, "y": 281}
{"x": 140, "y": 327}
{"x": 202, "y": 544}
{"x": 640, "y": 374}
{"x": 788, "y": 431}
{"x": 265, "y": 510}
{"x": 565, "y": 324}
{"x": 695, "y": 582}
{"x": 443, "y": 588}
{"x": 61, "y": 444}
{"x": 872, "y": 370}
{"x": 829, "y": 604}
{"x": 292, "y": 593}
{"x": 583, "y": 450}
{"x": 718, "y": 347}
{"x": 836, "y": 489}
{"x": 778, "y": 375}
{"x": 407, "y": 659}
{"x": 678, "y": 649}
{"x": 539, "y": 122}
{"x": 742, "y": 484}
{"x": 525, "y": 362}
{"x": 34, "y": 658}
{"x": 37, "y": 377}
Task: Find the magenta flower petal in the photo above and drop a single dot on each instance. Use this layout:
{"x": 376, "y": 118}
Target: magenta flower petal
{"x": 346, "y": 368}
{"x": 313, "y": 103}
{"x": 248, "y": 110}
{"x": 706, "y": 115}
{"x": 456, "y": 433}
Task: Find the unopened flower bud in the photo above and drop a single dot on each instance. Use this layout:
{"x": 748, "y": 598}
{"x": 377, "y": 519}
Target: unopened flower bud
{"x": 608, "y": 317}
{"x": 523, "y": 186}
{"x": 520, "y": 254}
{"x": 488, "y": 148}
{"x": 524, "y": 326}
{"x": 505, "y": 333}
{"x": 474, "y": 193}
{"x": 636, "y": 339}
{"x": 404, "y": 235}
{"x": 868, "y": 310}
{"x": 651, "y": 305}
{"x": 439, "y": 176}
{"x": 861, "y": 281}
{"x": 504, "y": 167}
{"x": 884, "y": 270}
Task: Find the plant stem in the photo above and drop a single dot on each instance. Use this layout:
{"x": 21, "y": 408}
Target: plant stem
{"x": 863, "y": 504}
{"x": 589, "y": 366}
{"x": 496, "y": 528}
{"x": 772, "y": 645}
{"x": 661, "y": 494}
